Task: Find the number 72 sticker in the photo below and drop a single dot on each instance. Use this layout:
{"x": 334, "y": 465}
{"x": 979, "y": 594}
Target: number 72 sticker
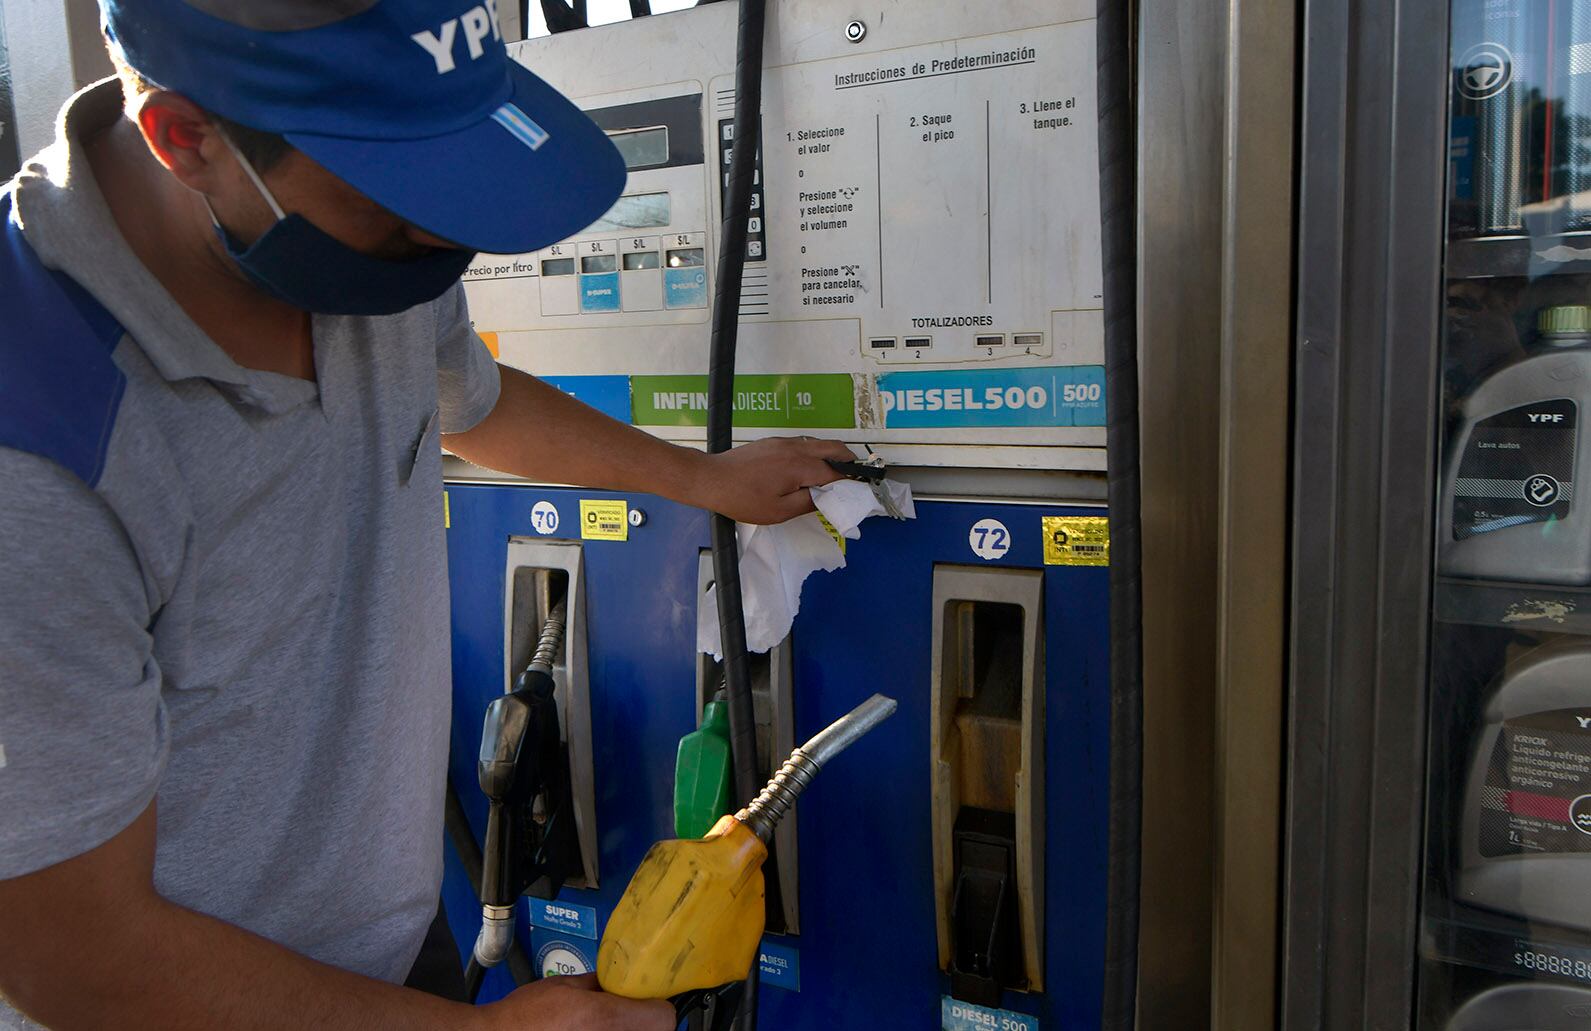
{"x": 989, "y": 539}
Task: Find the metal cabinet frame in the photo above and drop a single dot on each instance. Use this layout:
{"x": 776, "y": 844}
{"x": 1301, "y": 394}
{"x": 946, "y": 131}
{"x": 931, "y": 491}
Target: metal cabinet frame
{"x": 1373, "y": 91}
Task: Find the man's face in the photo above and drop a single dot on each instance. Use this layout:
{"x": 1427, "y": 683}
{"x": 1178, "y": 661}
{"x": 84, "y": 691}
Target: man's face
{"x": 305, "y": 188}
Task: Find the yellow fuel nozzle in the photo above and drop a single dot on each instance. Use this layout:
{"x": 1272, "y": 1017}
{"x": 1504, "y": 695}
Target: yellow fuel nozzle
{"x": 693, "y": 913}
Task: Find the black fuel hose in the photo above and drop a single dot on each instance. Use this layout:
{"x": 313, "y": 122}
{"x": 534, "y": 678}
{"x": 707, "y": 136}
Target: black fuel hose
{"x": 720, "y": 418}
{"x": 560, "y": 16}
{"x": 474, "y": 977}
{"x": 1118, "y": 166}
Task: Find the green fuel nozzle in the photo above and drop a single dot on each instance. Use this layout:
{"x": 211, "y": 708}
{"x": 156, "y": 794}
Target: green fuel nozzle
{"x": 703, "y": 775}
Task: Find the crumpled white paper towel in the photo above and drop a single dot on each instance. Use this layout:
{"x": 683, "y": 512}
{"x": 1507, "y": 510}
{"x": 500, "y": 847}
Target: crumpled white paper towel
{"x": 775, "y": 560}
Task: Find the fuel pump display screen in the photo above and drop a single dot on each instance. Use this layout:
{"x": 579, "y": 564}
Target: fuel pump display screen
{"x": 642, "y": 148}
{"x": 641, "y": 211}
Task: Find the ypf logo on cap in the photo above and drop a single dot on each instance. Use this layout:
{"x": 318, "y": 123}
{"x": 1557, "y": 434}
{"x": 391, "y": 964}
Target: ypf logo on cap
{"x": 476, "y": 24}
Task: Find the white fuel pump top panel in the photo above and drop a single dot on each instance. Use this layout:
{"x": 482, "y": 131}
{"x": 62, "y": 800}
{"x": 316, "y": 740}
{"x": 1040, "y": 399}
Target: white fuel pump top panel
{"x": 923, "y": 254}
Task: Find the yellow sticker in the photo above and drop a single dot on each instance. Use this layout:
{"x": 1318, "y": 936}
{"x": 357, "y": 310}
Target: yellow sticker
{"x": 838, "y": 537}
{"x": 1076, "y": 541}
{"x": 490, "y": 340}
{"x": 604, "y": 520}
{"x": 447, "y": 513}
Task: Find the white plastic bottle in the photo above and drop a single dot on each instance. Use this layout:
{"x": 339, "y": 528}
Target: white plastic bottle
{"x": 1526, "y": 847}
{"x": 1508, "y": 508}
{"x": 1539, "y": 1007}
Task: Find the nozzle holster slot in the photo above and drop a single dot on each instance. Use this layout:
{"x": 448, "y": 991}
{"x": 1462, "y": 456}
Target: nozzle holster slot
{"x": 988, "y": 953}
{"x": 987, "y": 741}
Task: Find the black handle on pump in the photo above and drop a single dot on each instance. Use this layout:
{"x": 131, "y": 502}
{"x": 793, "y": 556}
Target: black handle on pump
{"x": 508, "y": 772}
{"x": 720, "y": 416}
{"x": 710, "y": 1009}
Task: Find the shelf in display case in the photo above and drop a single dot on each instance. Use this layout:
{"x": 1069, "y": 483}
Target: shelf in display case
{"x": 1524, "y": 256}
{"x": 1505, "y": 946}
{"x": 1517, "y": 606}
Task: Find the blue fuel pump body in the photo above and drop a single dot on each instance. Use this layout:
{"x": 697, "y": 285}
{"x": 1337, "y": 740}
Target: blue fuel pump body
{"x": 866, "y": 955}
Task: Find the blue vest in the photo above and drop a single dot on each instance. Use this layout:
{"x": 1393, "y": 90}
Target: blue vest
{"x": 59, "y": 388}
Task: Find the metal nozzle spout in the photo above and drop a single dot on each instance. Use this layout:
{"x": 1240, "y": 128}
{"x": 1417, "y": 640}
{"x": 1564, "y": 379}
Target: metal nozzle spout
{"x": 764, "y": 812}
{"x": 497, "y": 933}
{"x": 843, "y": 732}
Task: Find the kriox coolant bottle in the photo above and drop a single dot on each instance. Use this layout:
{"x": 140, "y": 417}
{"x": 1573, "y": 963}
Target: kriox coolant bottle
{"x": 1527, "y": 805}
{"x": 1508, "y": 509}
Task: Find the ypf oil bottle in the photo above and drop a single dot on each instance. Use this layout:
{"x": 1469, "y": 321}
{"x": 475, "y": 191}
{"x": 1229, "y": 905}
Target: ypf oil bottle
{"x": 1509, "y": 509}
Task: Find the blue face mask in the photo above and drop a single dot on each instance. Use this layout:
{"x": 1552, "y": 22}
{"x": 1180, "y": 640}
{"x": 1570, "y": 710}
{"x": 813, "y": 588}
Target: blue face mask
{"x": 299, "y": 264}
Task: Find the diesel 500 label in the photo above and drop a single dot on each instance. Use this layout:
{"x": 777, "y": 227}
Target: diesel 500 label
{"x": 1066, "y": 396}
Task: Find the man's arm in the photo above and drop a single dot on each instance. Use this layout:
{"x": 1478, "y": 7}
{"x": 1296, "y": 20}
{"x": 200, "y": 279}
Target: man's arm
{"x": 89, "y": 943}
{"x": 541, "y": 433}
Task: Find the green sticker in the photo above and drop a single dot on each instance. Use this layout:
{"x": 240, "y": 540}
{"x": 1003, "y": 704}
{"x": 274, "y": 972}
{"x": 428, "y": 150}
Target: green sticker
{"x": 820, "y": 401}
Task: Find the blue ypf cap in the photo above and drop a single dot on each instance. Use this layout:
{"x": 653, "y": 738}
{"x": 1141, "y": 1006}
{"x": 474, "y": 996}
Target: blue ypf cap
{"x": 414, "y": 103}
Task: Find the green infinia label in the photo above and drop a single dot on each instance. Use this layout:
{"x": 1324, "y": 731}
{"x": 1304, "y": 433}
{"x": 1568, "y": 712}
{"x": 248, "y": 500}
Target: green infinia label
{"x": 814, "y": 401}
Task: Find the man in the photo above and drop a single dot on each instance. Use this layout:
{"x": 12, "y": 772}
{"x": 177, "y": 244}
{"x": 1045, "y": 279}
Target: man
{"x": 227, "y": 363}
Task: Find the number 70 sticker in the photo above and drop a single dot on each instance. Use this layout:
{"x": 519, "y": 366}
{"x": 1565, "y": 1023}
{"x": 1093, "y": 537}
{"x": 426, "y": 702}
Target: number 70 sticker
{"x": 989, "y": 539}
{"x": 544, "y": 517}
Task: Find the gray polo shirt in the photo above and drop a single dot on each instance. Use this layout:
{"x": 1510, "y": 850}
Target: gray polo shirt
{"x": 239, "y": 607}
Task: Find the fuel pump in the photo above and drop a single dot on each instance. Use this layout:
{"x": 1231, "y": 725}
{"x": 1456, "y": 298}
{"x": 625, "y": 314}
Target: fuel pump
{"x": 909, "y": 222}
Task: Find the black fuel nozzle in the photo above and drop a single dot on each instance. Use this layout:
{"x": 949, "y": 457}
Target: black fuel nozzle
{"x": 543, "y": 822}
{"x": 523, "y": 769}
{"x": 500, "y": 770}
{"x": 502, "y": 741}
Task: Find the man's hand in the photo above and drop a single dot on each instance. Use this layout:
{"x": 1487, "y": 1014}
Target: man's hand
{"x": 539, "y": 432}
{"x": 766, "y": 481}
{"x": 576, "y": 1004}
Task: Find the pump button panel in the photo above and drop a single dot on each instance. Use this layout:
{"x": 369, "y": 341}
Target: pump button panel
{"x": 756, "y": 240}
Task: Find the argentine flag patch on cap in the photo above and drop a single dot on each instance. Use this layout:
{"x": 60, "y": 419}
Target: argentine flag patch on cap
{"x": 521, "y": 125}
